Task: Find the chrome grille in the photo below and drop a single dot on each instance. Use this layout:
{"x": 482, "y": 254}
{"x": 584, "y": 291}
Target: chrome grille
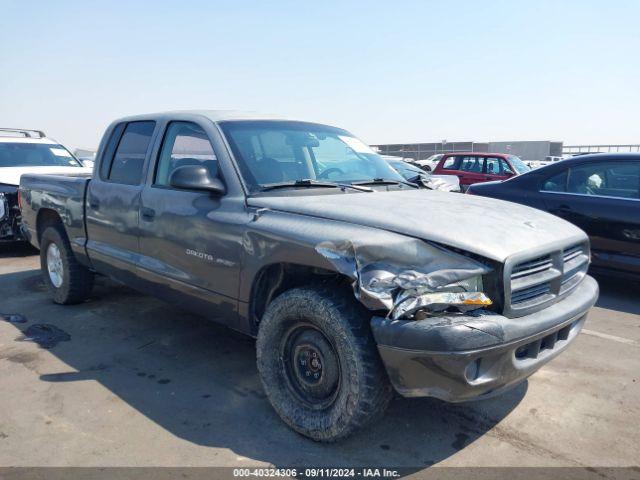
{"x": 533, "y": 283}
{"x": 572, "y": 252}
{"x": 533, "y": 266}
{"x": 531, "y": 294}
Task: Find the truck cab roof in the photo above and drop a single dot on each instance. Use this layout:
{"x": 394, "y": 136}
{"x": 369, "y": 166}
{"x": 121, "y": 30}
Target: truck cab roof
{"x": 213, "y": 115}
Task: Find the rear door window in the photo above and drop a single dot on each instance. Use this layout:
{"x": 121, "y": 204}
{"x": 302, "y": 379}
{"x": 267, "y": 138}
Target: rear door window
{"x": 128, "y": 161}
{"x": 606, "y": 179}
{"x": 472, "y": 164}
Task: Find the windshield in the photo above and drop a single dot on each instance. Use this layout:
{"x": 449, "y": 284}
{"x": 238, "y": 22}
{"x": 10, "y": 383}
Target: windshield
{"x": 518, "y": 164}
{"x": 270, "y": 152}
{"x": 35, "y": 155}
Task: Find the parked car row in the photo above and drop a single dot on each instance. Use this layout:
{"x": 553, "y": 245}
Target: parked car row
{"x": 472, "y": 167}
{"x": 599, "y": 193}
{"x": 354, "y": 280}
{"x": 414, "y": 174}
{"x": 429, "y": 164}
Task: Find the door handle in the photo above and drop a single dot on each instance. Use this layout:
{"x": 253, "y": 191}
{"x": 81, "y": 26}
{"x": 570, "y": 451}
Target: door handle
{"x": 147, "y": 213}
{"x": 94, "y": 204}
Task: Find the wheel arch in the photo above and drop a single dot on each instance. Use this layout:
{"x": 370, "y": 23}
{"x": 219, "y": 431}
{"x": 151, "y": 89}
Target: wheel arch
{"x": 275, "y": 278}
{"x": 47, "y": 217}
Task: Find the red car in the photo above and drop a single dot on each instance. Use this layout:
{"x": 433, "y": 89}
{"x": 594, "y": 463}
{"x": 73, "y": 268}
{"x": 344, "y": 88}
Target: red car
{"x": 474, "y": 167}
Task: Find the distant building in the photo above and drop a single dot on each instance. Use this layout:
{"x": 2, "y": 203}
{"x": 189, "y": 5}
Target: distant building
{"x": 574, "y": 149}
{"x": 526, "y": 150}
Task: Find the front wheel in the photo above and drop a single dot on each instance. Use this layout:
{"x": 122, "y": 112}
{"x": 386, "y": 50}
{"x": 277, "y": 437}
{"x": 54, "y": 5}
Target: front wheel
{"x": 68, "y": 281}
{"x": 319, "y": 364}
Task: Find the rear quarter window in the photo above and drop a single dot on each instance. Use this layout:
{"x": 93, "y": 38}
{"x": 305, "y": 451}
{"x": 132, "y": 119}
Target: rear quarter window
{"x": 450, "y": 163}
{"x": 556, "y": 183}
{"x": 109, "y": 150}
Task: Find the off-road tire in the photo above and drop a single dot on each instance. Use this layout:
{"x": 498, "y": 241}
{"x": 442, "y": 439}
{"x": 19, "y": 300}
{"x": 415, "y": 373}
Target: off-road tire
{"x": 363, "y": 390}
{"x": 77, "y": 280}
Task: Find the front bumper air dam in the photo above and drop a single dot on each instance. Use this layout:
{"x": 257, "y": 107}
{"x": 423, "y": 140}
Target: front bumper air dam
{"x": 466, "y": 357}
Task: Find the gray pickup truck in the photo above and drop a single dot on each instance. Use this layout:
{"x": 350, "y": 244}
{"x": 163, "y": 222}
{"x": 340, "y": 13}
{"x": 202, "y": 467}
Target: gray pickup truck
{"x": 354, "y": 281}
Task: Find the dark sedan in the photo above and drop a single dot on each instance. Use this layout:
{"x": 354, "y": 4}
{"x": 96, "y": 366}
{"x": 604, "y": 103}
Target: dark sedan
{"x": 598, "y": 193}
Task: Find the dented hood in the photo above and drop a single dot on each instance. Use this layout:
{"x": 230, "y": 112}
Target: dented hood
{"x": 492, "y": 228}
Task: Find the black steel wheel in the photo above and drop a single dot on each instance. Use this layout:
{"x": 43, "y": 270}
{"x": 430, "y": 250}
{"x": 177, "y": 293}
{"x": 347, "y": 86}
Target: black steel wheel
{"x": 311, "y": 366}
{"x": 319, "y": 364}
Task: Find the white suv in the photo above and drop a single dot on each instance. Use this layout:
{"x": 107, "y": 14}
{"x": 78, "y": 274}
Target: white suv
{"x": 27, "y": 151}
{"x": 429, "y": 164}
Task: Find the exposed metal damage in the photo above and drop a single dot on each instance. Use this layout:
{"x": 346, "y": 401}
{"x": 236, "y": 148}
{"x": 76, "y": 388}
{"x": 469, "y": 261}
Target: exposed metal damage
{"x": 408, "y": 277}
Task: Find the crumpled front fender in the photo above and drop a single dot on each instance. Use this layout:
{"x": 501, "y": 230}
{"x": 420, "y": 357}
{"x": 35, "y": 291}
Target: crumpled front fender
{"x": 387, "y": 273}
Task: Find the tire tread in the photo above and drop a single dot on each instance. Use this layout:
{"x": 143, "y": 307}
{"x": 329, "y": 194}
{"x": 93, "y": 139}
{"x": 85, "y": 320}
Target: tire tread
{"x": 370, "y": 393}
{"x": 79, "y": 283}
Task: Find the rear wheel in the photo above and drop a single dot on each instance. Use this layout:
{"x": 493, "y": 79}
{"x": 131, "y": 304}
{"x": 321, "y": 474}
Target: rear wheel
{"x": 68, "y": 281}
{"x": 319, "y": 364}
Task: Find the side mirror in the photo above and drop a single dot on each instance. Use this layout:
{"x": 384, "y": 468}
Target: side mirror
{"x": 196, "y": 177}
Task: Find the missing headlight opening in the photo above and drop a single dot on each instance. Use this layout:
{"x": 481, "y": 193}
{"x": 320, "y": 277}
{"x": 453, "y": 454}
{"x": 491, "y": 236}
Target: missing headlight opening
{"x": 408, "y": 277}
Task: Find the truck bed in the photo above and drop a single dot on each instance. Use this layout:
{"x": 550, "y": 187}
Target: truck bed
{"x": 63, "y": 194}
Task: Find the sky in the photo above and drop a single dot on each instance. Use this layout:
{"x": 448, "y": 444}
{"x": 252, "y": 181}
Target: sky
{"x": 389, "y": 72}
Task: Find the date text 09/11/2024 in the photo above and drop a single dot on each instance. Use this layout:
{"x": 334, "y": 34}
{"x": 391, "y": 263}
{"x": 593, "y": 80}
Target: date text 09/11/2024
{"x": 317, "y": 472}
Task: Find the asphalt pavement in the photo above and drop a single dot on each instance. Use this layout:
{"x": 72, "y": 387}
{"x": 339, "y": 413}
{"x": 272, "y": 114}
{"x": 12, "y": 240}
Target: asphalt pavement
{"x": 128, "y": 380}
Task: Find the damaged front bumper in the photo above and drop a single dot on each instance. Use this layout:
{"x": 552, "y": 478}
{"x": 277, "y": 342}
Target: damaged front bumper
{"x": 470, "y": 356}
{"x": 10, "y": 230}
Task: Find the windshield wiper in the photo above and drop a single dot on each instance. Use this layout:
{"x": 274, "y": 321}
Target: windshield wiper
{"x": 384, "y": 181}
{"x": 310, "y": 183}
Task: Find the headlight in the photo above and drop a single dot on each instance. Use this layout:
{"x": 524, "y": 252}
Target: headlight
{"x": 461, "y": 296}
{"x": 473, "y": 284}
